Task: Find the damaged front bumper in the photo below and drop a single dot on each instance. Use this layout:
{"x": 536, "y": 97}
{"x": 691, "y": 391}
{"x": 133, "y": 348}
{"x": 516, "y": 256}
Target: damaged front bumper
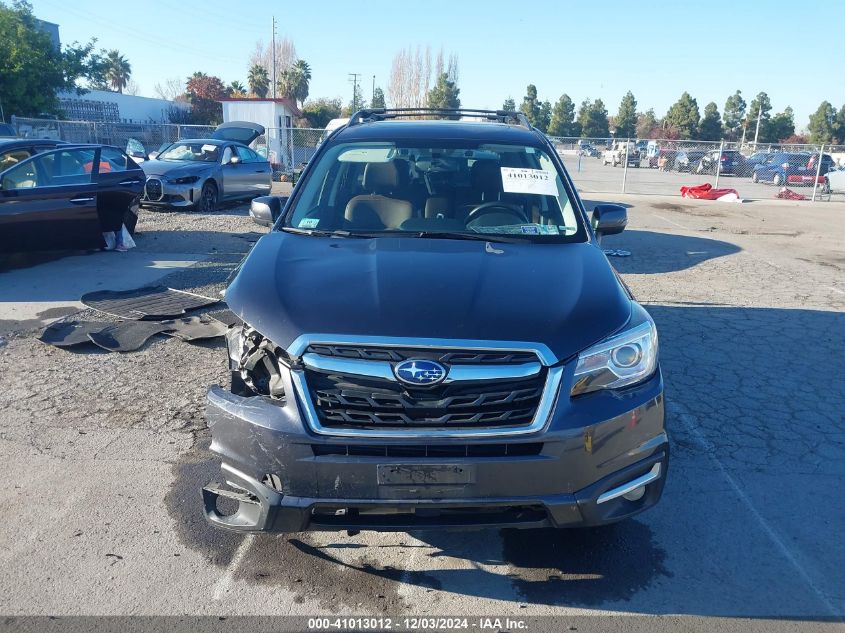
{"x": 601, "y": 458}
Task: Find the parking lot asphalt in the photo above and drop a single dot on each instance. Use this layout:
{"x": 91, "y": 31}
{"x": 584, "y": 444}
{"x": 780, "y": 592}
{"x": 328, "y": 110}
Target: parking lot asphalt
{"x": 105, "y": 455}
{"x": 594, "y": 177}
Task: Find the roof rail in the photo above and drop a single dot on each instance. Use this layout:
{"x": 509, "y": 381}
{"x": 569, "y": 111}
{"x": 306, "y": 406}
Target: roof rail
{"x": 368, "y": 115}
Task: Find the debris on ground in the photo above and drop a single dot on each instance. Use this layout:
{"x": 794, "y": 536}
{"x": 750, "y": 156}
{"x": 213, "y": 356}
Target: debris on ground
{"x": 788, "y": 194}
{"x": 707, "y": 192}
{"x": 149, "y": 303}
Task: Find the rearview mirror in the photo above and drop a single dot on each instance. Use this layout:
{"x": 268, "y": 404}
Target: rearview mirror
{"x": 265, "y": 210}
{"x": 609, "y": 219}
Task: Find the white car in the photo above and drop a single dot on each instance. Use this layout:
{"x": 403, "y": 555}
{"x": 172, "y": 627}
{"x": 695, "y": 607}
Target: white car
{"x": 834, "y": 181}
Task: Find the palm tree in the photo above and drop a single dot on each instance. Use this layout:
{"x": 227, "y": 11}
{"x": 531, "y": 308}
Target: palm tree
{"x": 294, "y": 81}
{"x": 118, "y": 70}
{"x": 237, "y": 89}
{"x": 258, "y": 80}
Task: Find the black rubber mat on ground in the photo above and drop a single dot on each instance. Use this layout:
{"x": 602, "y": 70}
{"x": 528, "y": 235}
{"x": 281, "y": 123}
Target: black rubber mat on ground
{"x": 127, "y": 336}
{"x": 148, "y": 303}
{"x": 226, "y": 316}
{"x": 193, "y": 328}
{"x": 69, "y": 333}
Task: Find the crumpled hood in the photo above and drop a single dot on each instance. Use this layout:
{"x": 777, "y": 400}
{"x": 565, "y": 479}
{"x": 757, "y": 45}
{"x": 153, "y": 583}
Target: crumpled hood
{"x": 174, "y": 168}
{"x": 563, "y": 295}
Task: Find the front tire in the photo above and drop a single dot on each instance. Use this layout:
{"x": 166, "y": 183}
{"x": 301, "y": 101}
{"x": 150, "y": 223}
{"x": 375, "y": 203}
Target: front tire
{"x": 208, "y": 198}
{"x": 755, "y": 177}
{"x": 826, "y": 187}
{"x": 776, "y": 181}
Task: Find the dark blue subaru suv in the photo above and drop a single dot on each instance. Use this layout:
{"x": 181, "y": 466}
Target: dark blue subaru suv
{"x": 433, "y": 338}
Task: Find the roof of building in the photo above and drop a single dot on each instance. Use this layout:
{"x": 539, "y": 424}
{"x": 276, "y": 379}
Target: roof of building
{"x": 290, "y": 104}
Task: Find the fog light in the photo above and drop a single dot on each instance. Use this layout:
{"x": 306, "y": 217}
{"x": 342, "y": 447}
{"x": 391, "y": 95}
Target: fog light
{"x": 635, "y": 495}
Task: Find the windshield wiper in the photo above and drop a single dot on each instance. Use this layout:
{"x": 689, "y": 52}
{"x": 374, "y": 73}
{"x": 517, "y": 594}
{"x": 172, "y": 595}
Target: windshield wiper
{"x": 483, "y": 237}
{"x": 336, "y": 233}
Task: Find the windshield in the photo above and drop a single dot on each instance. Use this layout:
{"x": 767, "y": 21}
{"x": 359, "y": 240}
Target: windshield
{"x": 461, "y": 190}
{"x": 199, "y": 151}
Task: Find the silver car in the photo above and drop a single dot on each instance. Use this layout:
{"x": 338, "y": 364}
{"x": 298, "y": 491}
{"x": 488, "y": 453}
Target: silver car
{"x": 200, "y": 173}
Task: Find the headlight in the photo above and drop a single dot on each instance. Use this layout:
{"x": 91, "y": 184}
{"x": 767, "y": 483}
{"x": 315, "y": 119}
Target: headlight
{"x": 184, "y": 180}
{"x": 619, "y": 361}
{"x": 257, "y": 360}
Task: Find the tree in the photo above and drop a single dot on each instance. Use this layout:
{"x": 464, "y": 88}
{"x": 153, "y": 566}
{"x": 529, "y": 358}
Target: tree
{"x": 118, "y": 70}
{"x": 378, "y": 98}
{"x": 509, "y": 105}
{"x": 760, "y": 106}
{"x": 839, "y": 126}
{"x": 530, "y": 104}
{"x": 204, "y": 93}
{"x": 683, "y": 116}
{"x": 734, "y": 114}
{"x": 294, "y": 81}
{"x": 319, "y": 112}
{"x": 710, "y": 128}
{"x": 258, "y": 81}
{"x": 647, "y": 126}
{"x": 562, "y": 122}
{"x": 237, "y": 89}
{"x": 444, "y": 94}
{"x": 32, "y": 68}
{"x": 626, "y": 119}
{"x": 132, "y": 88}
{"x": 592, "y": 117}
{"x": 172, "y": 89}
{"x": 356, "y": 103}
{"x": 411, "y": 77}
{"x": 779, "y": 127}
{"x": 822, "y": 126}
{"x": 262, "y": 56}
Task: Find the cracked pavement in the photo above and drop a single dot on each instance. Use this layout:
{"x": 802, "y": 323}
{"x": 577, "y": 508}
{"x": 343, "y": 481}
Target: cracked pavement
{"x": 105, "y": 455}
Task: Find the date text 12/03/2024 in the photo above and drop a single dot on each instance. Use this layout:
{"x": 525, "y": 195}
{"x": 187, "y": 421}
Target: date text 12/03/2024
{"x": 416, "y": 624}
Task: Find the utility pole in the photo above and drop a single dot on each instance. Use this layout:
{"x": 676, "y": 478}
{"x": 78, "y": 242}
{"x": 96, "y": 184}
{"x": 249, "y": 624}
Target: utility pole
{"x": 374, "y": 91}
{"x": 354, "y": 80}
{"x": 274, "y": 56}
{"x": 757, "y": 131}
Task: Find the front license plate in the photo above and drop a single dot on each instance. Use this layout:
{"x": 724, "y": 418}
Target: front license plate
{"x": 422, "y": 475}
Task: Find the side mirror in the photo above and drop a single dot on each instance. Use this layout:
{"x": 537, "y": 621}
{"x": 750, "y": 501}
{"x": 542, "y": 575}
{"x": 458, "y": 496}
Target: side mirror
{"x": 609, "y": 219}
{"x": 153, "y": 155}
{"x": 265, "y": 210}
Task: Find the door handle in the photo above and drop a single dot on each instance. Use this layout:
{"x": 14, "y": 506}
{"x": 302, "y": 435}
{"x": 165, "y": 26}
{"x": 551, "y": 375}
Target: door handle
{"x": 125, "y": 183}
{"x": 81, "y": 200}
{"x": 259, "y": 171}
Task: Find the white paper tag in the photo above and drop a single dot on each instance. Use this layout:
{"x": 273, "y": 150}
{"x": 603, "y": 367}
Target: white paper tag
{"x": 521, "y": 180}
{"x": 208, "y": 148}
{"x": 309, "y": 223}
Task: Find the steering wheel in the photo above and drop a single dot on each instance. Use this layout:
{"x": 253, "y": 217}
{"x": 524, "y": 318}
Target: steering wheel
{"x": 488, "y": 208}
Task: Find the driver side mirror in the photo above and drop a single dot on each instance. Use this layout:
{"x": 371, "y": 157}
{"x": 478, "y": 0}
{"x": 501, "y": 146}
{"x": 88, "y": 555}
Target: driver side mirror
{"x": 265, "y": 210}
{"x": 234, "y": 160}
{"x": 609, "y": 219}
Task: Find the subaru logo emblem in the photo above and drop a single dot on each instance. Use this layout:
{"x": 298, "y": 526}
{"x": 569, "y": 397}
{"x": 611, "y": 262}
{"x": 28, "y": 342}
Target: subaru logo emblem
{"x": 420, "y": 373}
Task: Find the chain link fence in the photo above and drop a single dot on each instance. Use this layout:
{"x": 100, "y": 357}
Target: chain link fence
{"x": 598, "y": 165}
{"x": 663, "y": 166}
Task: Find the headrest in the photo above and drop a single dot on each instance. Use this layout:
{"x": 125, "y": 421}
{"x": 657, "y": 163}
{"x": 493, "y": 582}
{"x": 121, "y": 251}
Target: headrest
{"x": 381, "y": 177}
{"x": 486, "y": 176}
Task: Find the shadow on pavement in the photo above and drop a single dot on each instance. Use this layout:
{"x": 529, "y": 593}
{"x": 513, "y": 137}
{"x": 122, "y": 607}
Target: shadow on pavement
{"x": 653, "y": 253}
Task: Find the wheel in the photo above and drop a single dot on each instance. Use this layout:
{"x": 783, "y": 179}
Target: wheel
{"x": 755, "y": 177}
{"x": 208, "y": 198}
{"x": 777, "y": 180}
{"x": 130, "y": 218}
{"x": 826, "y": 186}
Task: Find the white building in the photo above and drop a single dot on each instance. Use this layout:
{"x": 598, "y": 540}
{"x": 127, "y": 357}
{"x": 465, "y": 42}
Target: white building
{"x": 276, "y": 115}
{"x": 114, "y": 107}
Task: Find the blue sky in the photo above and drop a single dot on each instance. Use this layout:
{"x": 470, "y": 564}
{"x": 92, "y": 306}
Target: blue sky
{"x": 586, "y": 49}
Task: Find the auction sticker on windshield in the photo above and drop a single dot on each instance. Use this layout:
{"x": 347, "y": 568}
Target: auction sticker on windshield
{"x": 523, "y": 180}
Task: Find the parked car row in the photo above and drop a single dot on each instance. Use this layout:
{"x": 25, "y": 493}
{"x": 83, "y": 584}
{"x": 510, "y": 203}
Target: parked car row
{"x": 777, "y": 168}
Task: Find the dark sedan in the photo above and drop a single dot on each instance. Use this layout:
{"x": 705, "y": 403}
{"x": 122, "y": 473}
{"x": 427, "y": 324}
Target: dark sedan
{"x": 67, "y": 198}
{"x": 729, "y": 163}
